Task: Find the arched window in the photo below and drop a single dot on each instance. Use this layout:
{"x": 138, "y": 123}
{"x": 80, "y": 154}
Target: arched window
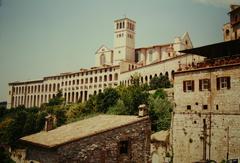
{"x": 146, "y": 79}
{"x": 172, "y": 74}
{"x": 54, "y": 87}
{"x": 115, "y": 76}
{"x": 166, "y": 74}
{"x": 46, "y": 88}
{"x": 102, "y": 59}
{"x": 150, "y": 77}
{"x": 227, "y": 32}
{"x": 110, "y": 77}
{"x": 50, "y": 87}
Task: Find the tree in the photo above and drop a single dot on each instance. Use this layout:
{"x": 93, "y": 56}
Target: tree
{"x": 132, "y": 97}
{"x": 107, "y": 99}
{"x": 118, "y": 109}
{"x": 160, "y": 82}
{"x": 75, "y": 111}
{"x": 135, "y": 79}
{"x": 160, "y": 109}
{"x": 102, "y": 101}
{"x": 5, "y": 156}
{"x": 57, "y": 100}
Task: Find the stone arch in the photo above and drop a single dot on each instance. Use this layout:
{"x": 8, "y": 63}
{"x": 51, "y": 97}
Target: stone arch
{"x": 166, "y": 74}
{"x": 54, "y": 87}
{"x": 146, "y": 79}
{"x": 110, "y": 77}
{"x": 172, "y": 74}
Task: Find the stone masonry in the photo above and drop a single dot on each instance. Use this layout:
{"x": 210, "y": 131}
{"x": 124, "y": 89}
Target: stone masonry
{"x": 100, "y": 147}
{"x": 206, "y": 120}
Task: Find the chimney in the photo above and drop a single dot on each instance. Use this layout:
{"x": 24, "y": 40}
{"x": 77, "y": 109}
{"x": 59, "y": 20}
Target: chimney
{"x": 143, "y": 110}
{"x": 49, "y": 122}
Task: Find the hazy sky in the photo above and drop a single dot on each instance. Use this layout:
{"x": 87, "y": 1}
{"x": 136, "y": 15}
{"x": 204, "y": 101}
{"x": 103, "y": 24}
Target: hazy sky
{"x": 46, "y": 37}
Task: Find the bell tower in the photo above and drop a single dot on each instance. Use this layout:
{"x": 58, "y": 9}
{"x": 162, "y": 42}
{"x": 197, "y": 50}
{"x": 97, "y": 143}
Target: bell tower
{"x": 124, "y": 40}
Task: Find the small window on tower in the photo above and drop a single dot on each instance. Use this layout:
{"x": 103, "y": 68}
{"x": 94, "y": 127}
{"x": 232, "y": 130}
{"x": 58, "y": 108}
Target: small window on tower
{"x": 227, "y": 32}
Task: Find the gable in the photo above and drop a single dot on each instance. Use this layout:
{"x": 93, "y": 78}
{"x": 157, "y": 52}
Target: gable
{"x": 102, "y": 48}
{"x": 187, "y": 41}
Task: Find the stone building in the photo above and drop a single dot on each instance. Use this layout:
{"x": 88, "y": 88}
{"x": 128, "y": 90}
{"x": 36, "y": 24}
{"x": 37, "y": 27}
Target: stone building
{"x": 231, "y": 30}
{"x": 206, "y": 118}
{"x": 160, "y": 147}
{"x": 112, "y": 67}
{"x": 103, "y": 138}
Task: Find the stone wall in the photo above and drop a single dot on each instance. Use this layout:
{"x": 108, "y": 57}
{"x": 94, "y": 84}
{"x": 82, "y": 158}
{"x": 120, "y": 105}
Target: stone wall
{"x": 212, "y": 132}
{"x": 103, "y": 147}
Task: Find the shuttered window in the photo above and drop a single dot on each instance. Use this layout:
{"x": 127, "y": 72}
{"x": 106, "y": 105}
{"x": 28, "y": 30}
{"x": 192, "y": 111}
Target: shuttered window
{"x": 223, "y": 83}
{"x": 204, "y": 84}
{"x": 188, "y": 86}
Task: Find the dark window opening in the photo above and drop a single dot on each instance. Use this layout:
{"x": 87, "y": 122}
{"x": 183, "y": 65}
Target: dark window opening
{"x": 189, "y": 107}
{"x": 205, "y": 107}
{"x": 217, "y": 107}
{"x": 124, "y": 147}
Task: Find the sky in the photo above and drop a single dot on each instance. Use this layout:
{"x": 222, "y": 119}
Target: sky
{"x": 46, "y": 37}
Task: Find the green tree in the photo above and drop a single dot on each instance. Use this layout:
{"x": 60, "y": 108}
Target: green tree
{"x": 160, "y": 82}
{"x": 160, "y": 109}
{"x": 133, "y": 96}
{"x": 75, "y": 111}
{"x": 135, "y": 79}
{"x": 5, "y": 156}
{"x": 40, "y": 120}
{"x": 118, "y": 109}
{"x": 30, "y": 124}
{"x": 107, "y": 99}
{"x": 57, "y": 100}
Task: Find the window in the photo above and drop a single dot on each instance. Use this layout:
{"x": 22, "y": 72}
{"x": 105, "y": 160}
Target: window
{"x": 102, "y": 59}
{"x": 188, "y": 107}
{"x": 205, "y": 107}
{"x": 150, "y": 55}
{"x": 204, "y": 84}
{"x": 188, "y": 86}
{"x": 223, "y": 83}
{"x": 227, "y": 32}
{"x": 123, "y": 147}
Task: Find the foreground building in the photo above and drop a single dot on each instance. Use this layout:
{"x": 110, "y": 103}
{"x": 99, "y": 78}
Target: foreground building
{"x": 112, "y": 67}
{"x": 206, "y": 119}
{"x": 104, "y": 138}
